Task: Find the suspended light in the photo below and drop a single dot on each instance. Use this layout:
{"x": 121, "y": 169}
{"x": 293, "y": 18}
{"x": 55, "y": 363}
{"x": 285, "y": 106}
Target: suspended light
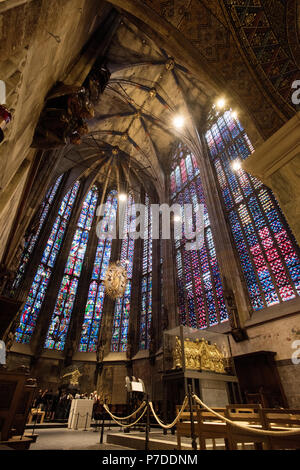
{"x": 178, "y": 122}
{"x": 127, "y": 261}
{"x": 236, "y": 165}
{"x": 221, "y": 103}
{"x": 122, "y": 197}
{"x": 234, "y": 114}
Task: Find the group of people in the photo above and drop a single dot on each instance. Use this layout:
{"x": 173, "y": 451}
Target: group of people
{"x": 57, "y": 404}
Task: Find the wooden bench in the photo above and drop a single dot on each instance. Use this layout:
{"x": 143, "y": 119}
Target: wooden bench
{"x": 209, "y": 426}
{"x": 183, "y": 426}
{"x": 250, "y": 415}
{"x": 282, "y": 420}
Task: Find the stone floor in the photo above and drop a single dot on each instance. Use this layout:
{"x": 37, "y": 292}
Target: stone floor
{"x": 67, "y": 439}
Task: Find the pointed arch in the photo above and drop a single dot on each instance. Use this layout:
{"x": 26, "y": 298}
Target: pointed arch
{"x": 33, "y": 237}
{"x": 94, "y": 306}
{"x": 41, "y": 279}
{"x": 61, "y": 317}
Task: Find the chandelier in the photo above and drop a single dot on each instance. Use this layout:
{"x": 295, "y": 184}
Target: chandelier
{"x": 115, "y": 280}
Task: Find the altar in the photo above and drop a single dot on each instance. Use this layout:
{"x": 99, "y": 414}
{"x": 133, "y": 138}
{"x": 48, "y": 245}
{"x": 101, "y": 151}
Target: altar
{"x": 80, "y": 415}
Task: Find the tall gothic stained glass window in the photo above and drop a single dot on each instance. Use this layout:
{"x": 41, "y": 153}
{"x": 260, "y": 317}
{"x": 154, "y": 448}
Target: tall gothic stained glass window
{"x": 122, "y": 306}
{"x": 61, "y": 317}
{"x": 268, "y": 254}
{"x": 199, "y": 286}
{"x": 146, "y": 283}
{"x": 33, "y": 237}
{"x": 40, "y": 283}
{"x": 94, "y": 306}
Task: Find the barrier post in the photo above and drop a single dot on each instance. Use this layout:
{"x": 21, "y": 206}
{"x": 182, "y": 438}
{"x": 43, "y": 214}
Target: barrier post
{"x": 76, "y": 427}
{"x": 102, "y": 425}
{"x": 85, "y": 428}
{"x": 193, "y": 435}
{"x": 147, "y": 425}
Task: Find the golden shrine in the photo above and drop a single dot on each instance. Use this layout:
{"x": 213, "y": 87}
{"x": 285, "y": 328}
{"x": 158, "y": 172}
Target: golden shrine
{"x": 199, "y": 355}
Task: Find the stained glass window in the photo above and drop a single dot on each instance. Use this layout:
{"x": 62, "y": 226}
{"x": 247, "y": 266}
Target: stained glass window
{"x": 122, "y": 306}
{"x": 199, "y": 286}
{"x": 39, "y": 286}
{"x": 267, "y": 251}
{"x": 94, "y": 306}
{"x": 58, "y": 329}
{"x": 146, "y": 283}
{"x": 33, "y": 237}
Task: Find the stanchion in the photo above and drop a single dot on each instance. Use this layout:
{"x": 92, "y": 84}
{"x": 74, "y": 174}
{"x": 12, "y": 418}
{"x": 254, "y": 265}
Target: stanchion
{"x": 147, "y": 425}
{"x": 86, "y": 419}
{"x": 76, "y": 427}
{"x": 102, "y": 427}
{"x": 193, "y": 435}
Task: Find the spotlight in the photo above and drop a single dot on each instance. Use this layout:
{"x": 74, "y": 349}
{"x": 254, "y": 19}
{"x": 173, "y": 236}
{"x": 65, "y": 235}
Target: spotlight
{"x": 178, "y": 122}
{"x": 236, "y": 165}
{"x": 177, "y": 218}
{"x": 127, "y": 261}
{"x": 221, "y": 103}
{"x": 122, "y": 197}
{"x": 234, "y": 114}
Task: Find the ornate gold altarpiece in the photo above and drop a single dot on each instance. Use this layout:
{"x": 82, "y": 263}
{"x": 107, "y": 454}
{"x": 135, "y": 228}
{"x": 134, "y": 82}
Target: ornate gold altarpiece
{"x": 201, "y": 359}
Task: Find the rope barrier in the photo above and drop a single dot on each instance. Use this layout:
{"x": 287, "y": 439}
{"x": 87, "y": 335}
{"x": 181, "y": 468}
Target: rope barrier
{"x": 171, "y": 425}
{"x": 126, "y": 417}
{"x": 125, "y": 425}
{"x": 294, "y": 432}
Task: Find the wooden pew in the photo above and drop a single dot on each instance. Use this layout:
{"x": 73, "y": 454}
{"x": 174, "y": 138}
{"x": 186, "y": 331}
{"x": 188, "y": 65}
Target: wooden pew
{"x": 249, "y": 415}
{"x": 210, "y": 426}
{"x": 282, "y": 420}
{"x": 207, "y": 426}
{"x": 183, "y": 426}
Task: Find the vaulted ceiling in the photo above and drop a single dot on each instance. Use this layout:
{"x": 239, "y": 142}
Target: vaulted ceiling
{"x": 146, "y": 91}
{"x": 247, "y": 51}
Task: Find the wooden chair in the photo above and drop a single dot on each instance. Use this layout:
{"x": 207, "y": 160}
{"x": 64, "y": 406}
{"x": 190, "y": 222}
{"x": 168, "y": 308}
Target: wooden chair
{"x": 282, "y": 420}
{"x": 246, "y": 414}
{"x": 211, "y": 427}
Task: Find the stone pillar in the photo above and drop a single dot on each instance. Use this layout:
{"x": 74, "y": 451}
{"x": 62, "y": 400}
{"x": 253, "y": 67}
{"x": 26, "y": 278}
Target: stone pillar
{"x": 171, "y": 314}
{"x": 277, "y": 164}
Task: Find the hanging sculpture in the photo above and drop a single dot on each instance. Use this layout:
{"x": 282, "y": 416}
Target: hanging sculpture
{"x": 115, "y": 280}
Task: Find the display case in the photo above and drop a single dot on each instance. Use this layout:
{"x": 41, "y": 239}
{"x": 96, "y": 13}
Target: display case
{"x": 202, "y": 360}
{"x": 186, "y": 348}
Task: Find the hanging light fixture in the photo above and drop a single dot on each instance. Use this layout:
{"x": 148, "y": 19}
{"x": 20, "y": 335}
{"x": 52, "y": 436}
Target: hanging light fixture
{"x": 115, "y": 280}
